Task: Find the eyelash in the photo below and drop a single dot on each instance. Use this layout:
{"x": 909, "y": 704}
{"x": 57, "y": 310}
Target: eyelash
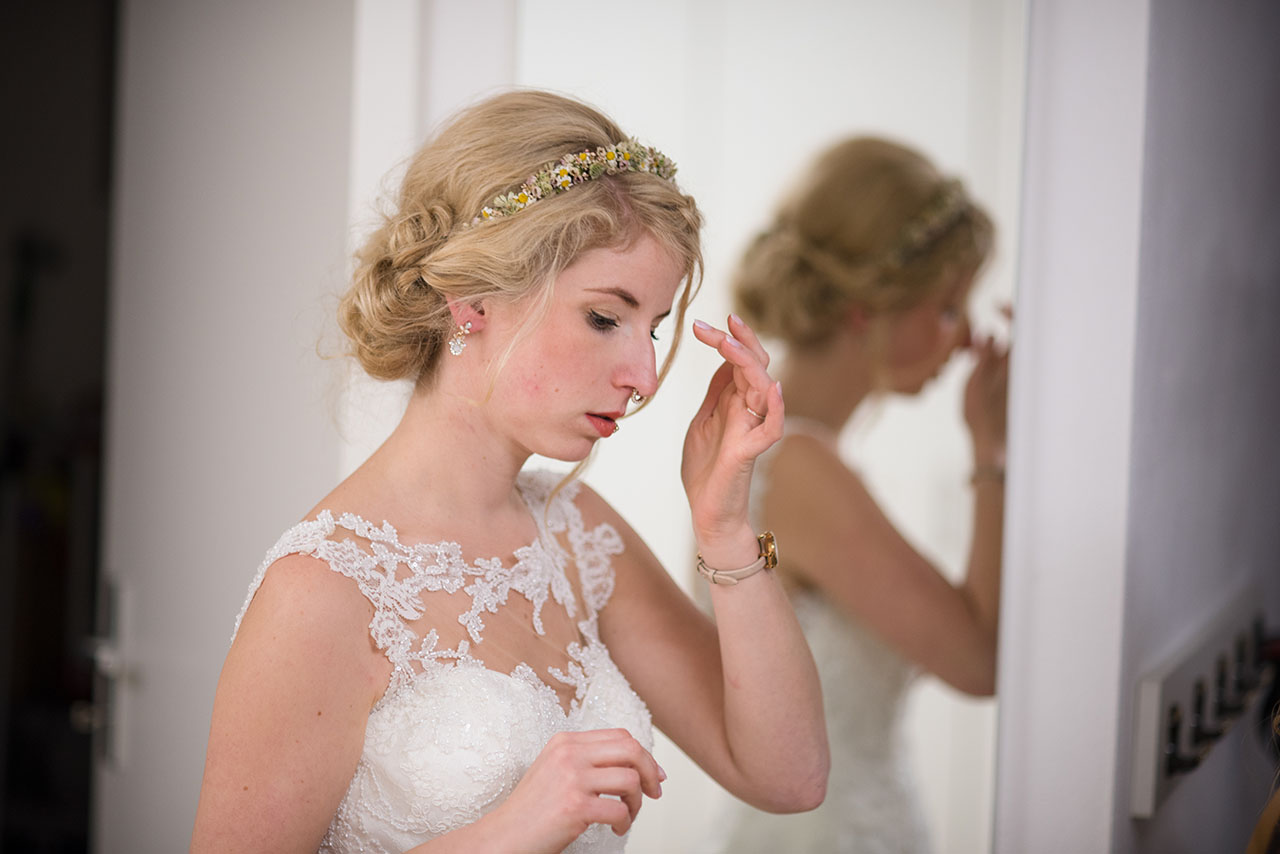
{"x": 603, "y": 323}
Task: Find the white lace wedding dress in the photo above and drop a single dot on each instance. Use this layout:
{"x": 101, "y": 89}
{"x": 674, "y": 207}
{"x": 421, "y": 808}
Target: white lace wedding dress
{"x": 871, "y": 805}
{"x": 463, "y": 716}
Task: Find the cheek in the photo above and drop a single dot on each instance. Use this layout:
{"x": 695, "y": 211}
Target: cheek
{"x": 922, "y": 340}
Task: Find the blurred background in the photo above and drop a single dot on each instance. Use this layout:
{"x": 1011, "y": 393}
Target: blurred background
{"x": 184, "y": 183}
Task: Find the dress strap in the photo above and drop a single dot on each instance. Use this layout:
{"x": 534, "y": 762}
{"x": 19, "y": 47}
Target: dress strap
{"x": 555, "y": 508}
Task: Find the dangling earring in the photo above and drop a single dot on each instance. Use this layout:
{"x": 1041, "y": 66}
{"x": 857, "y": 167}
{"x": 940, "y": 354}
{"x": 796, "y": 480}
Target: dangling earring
{"x": 636, "y": 396}
{"x": 458, "y": 342}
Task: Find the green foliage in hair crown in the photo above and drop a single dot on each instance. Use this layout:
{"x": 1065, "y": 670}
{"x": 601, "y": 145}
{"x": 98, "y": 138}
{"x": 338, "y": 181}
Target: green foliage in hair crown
{"x": 577, "y": 168}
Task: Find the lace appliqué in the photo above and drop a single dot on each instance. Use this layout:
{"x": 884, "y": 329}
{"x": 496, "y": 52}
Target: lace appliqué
{"x": 394, "y": 577}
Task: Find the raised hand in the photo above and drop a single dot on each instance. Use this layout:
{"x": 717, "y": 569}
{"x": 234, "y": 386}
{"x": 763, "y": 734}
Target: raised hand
{"x": 986, "y": 397}
{"x": 740, "y": 417}
{"x": 564, "y": 791}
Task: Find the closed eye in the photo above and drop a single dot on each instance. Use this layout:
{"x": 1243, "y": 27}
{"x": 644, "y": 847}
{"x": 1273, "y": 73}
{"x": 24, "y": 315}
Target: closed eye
{"x": 601, "y": 322}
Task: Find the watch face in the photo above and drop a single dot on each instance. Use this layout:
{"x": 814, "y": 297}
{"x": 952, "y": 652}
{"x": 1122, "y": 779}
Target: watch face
{"x": 769, "y": 549}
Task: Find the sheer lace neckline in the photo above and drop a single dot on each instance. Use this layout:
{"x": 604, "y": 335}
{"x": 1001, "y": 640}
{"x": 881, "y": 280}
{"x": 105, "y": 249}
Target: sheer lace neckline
{"x": 422, "y": 592}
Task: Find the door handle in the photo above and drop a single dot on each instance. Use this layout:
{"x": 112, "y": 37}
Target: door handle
{"x": 101, "y": 717}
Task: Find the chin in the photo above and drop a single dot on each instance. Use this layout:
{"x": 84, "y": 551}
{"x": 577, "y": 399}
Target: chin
{"x": 569, "y": 453}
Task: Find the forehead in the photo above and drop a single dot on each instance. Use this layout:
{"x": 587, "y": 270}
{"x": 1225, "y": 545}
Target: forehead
{"x": 641, "y": 273}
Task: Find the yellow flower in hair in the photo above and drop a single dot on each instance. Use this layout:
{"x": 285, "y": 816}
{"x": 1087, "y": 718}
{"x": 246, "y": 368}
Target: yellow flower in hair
{"x": 576, "y": 168}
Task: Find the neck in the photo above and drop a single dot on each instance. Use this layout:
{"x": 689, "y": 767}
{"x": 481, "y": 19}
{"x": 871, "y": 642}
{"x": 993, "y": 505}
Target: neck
{"x": 827, "y": 384}
{"x": 445, "y": 462}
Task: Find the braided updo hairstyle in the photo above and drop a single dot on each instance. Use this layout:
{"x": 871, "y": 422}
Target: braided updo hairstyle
{"x": 426, "y": 250}
{"x": 872, "y": 224}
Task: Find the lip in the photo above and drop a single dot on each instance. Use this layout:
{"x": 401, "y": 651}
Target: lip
{"x": 604, "y": 422}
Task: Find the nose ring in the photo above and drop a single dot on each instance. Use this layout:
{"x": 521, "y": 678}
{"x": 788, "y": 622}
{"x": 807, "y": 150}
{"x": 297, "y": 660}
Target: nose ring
{"x": 636, "y": 396}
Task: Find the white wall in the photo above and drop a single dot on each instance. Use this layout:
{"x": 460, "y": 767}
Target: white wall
{"x": 1204, "y": 492}
{"x": 1143, "y": 493}
{"x": 1070, "y": 426}
{"x": 229, "y": 227}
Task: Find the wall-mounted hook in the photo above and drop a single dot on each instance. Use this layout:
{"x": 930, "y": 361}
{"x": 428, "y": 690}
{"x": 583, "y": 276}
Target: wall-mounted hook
{"x": 1225, "y": 708}
{"x": 1175, "y": 761}
{"x": 1246, "y": 667}
{"x": 1202, "y": 732}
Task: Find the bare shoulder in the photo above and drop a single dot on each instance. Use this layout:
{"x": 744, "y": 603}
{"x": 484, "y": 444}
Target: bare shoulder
{"x": 304, "y": 605}
{"x": 596, "y": 511}
{"x": 305, "y": 591}
{"x": 807, "y": 476}
{"x": 289, "y": 713}
{"x": 823, "y": 515}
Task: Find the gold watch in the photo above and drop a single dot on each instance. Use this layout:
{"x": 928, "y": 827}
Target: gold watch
{"x": 768, "y": 560}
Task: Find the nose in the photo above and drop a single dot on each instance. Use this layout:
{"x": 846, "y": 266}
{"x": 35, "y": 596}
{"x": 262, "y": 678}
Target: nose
{"x": 639, "y": 371}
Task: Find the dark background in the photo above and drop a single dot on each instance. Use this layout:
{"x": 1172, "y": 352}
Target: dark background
{"x": 58, "y": 61}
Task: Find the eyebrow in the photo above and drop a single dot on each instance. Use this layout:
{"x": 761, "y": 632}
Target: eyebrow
{"x": 621, "y": 293}
{"x": 627, "y": 297}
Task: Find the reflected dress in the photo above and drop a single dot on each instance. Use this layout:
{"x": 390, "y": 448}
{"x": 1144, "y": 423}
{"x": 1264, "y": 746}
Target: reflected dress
{"x": 871, "y": 805}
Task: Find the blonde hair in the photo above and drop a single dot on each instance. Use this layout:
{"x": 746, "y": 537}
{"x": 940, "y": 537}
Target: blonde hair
{"x": 872, "y": 224}
{"x": 426, "y": 251}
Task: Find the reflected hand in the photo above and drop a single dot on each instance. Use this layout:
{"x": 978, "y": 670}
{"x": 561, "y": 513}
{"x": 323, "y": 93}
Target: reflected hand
{"x": 986, "y": 397}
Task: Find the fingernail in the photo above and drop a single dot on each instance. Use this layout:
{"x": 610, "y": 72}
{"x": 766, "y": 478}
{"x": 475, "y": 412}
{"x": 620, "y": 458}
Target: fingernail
{"x": 698, "y": 324}
{"x": 778, "y": 386}
{"x": 662, "y": 775}
{"x": 733, "y": 341}
{"x": 736, "y": 319}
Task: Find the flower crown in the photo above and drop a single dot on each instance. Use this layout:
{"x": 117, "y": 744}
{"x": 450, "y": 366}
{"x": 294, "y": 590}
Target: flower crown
{"x": 577, "y": 168}
{"x": 943, "y": 211}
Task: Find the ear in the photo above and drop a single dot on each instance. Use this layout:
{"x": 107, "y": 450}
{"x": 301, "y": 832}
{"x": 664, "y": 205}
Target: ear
{"x": 858, "y": 319}
{"x": 465, "y": 312}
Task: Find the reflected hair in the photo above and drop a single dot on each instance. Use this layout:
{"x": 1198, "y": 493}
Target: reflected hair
{"x": 871, "y": 224}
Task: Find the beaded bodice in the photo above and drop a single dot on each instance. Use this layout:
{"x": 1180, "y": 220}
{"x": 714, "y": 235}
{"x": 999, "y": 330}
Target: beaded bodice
{"x": 489, "y": 661}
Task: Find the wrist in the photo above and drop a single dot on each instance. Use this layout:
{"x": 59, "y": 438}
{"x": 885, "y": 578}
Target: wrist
{"x": 988, "y": 454}
{"x": 987, "y": 473}
{"x": 766, "y": 558}
{"x": 729, "y": 550}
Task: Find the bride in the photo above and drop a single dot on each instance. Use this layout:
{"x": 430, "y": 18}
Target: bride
{"x": 865, "y": 274}
{"x": 449, "y": 653}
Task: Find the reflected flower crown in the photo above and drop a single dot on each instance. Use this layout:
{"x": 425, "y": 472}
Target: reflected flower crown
{"x": 577, "y": 168}
{"x": 943, "y": 211}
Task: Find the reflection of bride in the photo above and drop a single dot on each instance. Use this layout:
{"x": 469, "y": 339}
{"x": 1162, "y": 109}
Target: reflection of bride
{"x": 864, "y": 275}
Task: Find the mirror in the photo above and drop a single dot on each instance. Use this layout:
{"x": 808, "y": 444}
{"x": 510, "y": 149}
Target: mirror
{"x": 741, "y": 96}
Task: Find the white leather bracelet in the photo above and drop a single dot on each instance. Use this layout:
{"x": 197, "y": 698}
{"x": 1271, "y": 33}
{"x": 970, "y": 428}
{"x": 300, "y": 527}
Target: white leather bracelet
{"x": 768, "y": 560}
